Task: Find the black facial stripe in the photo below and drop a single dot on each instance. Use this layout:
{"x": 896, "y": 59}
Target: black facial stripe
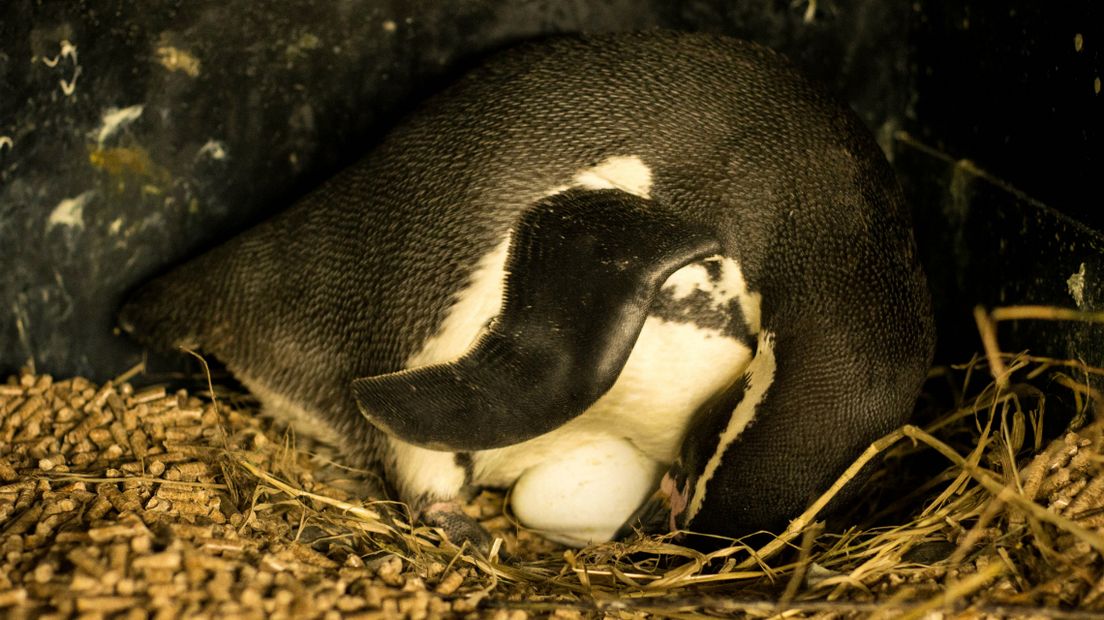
{"x": 714, "y": 270}
{"x": 701, "y": 309}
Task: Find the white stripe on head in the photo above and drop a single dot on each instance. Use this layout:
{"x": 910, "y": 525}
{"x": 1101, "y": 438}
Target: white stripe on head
{"x": 760, "y": 374}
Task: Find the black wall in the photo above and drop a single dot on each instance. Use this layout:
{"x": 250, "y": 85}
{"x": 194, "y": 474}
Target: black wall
{"x": 139, "y": 133}
{"x": 1003, "y": 166}
{"x": 1015, "y": 86}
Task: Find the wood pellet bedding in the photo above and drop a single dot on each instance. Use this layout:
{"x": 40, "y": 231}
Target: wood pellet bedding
{"x": 150, "y": 525}
{"x": 116, "y": 502}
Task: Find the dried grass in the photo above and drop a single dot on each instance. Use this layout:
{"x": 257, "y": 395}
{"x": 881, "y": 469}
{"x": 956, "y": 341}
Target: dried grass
{"x": 116, "y": 502}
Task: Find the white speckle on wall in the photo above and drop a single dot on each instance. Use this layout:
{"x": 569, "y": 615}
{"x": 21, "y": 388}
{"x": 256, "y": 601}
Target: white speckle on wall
{"x": 68, "y": 51}
{"x": 175, "y": 59}
{"x": 115, "y": 119}
{"x": 70, "y": 212}
{"x": 1076, "y": 285}
{"x": 213, "y": 149}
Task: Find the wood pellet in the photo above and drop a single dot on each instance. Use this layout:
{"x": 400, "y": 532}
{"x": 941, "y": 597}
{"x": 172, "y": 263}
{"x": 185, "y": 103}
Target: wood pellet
{"x": 113, "y": 502}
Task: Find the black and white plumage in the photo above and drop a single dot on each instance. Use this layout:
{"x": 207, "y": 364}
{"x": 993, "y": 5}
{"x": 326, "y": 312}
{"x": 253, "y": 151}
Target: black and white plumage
{"x": 614, "y": 255}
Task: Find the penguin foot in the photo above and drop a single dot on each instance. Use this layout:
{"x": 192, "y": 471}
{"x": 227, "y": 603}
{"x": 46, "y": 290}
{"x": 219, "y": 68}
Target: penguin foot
{"x": 458, "y": 527}
{"x": 659, "y": 514}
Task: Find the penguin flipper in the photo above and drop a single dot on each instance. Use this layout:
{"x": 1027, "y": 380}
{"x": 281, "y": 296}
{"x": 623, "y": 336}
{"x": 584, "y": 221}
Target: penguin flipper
{"x": 583, "y": 269}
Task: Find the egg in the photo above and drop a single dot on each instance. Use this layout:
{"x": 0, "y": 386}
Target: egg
{"x": 585, "y": 494}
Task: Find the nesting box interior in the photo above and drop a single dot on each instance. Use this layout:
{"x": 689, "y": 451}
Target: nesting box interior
{"x": 133, "y": 137}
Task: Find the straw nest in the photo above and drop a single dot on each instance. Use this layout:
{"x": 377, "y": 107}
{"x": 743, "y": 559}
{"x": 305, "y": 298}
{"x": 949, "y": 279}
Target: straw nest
{"x": 123, "y": 503}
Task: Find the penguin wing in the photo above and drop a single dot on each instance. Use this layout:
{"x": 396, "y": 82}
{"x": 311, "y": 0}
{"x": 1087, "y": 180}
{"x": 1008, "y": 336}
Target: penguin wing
{"x": 583, "y": 269}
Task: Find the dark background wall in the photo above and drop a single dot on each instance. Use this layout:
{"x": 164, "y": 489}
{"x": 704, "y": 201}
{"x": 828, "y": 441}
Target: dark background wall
{"x": 134, "y": 134}
{"x": 1003, "y": 166}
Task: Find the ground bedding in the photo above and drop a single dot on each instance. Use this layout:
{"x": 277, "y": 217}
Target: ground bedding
{"x": 117, "y": 502}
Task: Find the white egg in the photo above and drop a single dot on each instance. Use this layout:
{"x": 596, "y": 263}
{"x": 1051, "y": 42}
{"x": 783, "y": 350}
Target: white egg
{"x": 584, "y": 495}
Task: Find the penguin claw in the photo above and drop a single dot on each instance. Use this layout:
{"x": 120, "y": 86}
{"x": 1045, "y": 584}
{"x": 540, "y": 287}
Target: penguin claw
{"x": 461, "y": 529}
{"x": 659, "y": 514}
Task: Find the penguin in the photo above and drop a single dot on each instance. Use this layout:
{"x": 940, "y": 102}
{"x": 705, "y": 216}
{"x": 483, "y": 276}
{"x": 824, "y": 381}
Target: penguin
{"x": 654, "y": 279}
